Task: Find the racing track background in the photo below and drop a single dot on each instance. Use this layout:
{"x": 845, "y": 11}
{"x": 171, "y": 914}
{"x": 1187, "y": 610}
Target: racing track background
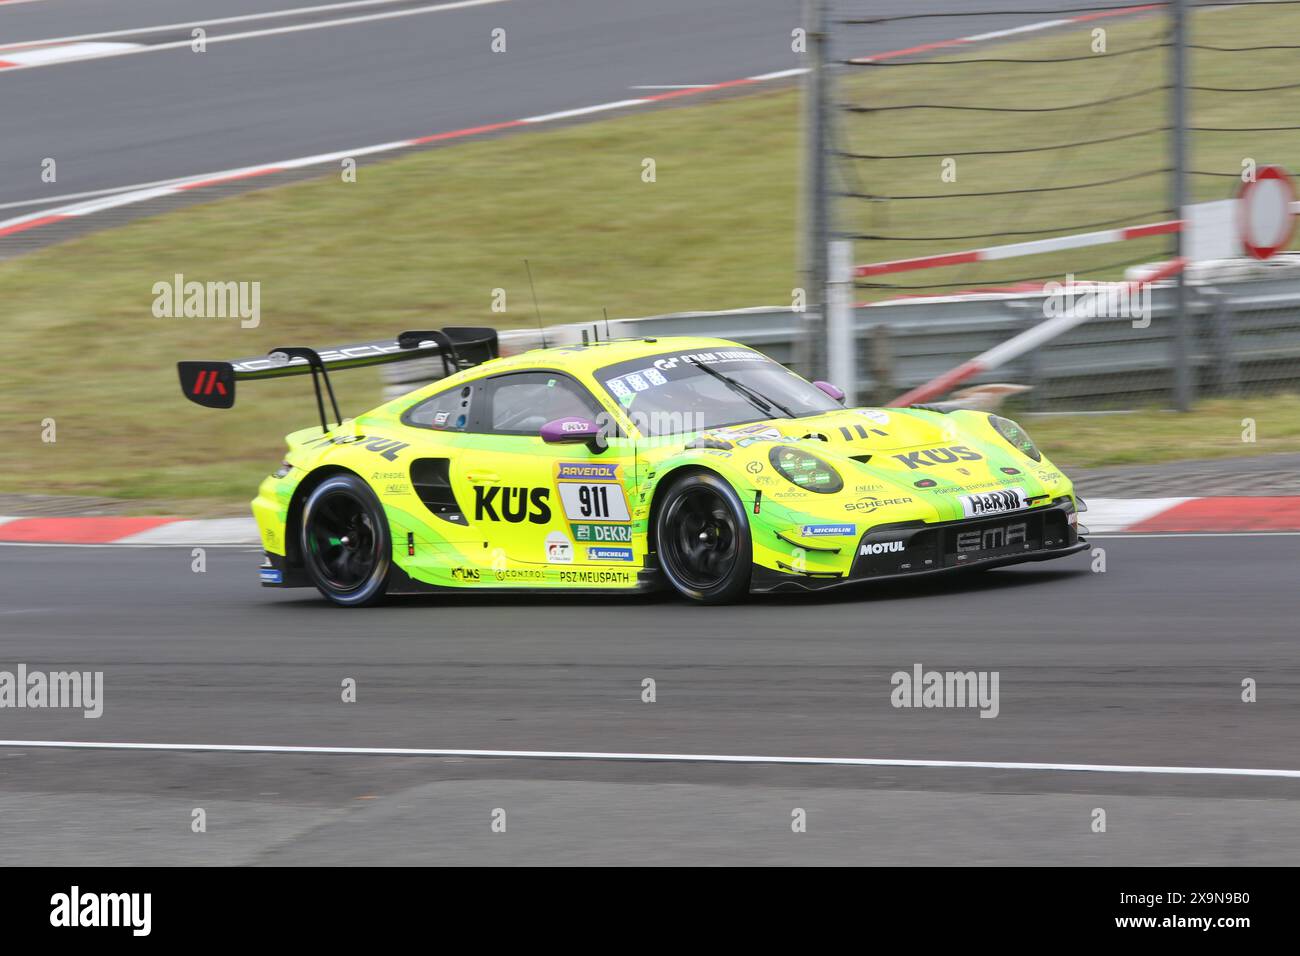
{"x": 1138, "y": 667}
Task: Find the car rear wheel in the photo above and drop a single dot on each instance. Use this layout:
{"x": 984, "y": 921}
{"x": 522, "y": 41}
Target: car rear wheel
{"x": 703, "y": 541}
{"x": 345, "y": 542}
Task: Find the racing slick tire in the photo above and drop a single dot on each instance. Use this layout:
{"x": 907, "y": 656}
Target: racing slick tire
{"x": 703, "y": 539}
{"x": 346, "y": 546}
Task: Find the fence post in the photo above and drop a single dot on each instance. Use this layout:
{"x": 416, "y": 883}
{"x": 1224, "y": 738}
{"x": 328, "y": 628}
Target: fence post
{"x": 811, "y": 351}
{"x": 882, "y": 363}
{"x": 1024, "y": 316}
{"x": 1227, "y": 374}
{"x": 1183, "y": 382}
{"x": 841, "y": 347}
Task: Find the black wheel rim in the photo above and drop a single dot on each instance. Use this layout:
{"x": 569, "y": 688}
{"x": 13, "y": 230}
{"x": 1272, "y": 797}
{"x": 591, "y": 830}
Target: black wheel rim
{"x": 701, "y": 540}
{"x": 342, "y": 542}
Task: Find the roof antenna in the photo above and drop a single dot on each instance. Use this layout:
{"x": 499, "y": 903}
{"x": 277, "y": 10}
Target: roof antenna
{"x": 606, "y": 311}
{"x": 536, "y": 308}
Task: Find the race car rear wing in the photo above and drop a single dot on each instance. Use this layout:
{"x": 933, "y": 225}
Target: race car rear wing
{"x": 212, "y": 384}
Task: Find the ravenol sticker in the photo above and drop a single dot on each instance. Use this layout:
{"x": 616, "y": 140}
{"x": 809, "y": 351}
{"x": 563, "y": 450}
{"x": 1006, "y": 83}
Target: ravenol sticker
{"x": 586, "y": 471}
{"x": 601, "y": 532}
{"x": 271, "y": 575}
{"x": 828, "y": 530}
{"x": 609, "y": 554}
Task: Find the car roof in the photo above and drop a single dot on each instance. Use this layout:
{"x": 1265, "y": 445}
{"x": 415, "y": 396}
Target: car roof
{"x": 583, "y": 360}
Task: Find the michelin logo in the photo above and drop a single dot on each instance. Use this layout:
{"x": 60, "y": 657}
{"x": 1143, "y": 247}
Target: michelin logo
{"x": 827, "y": 530}
{"x": 609, "y": 554}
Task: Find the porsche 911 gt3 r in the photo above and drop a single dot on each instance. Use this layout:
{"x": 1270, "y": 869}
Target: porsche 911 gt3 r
{"x": 631, "y": 464}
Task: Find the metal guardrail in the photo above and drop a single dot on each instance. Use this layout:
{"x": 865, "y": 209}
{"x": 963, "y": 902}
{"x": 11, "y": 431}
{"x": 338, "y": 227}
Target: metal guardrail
{"x": 1245, "y": 321}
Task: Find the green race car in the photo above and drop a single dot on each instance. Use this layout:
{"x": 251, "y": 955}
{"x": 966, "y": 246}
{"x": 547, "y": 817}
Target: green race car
{"x": 631, "y": 464}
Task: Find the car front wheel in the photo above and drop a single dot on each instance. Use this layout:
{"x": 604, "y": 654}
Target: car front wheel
{"x": 703, "y": 540}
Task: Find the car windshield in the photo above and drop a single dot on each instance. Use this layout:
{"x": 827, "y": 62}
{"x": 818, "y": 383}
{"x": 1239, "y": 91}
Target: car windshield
{"x": 679, "y": 392}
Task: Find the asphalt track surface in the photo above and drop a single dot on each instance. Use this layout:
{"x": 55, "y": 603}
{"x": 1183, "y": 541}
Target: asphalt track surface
{"x": 1138, "y": 666}
{"x": 121, "y": 121}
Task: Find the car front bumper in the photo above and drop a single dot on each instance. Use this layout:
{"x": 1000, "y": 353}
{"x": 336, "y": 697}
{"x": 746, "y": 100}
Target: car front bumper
{"x": 916, "y": 549}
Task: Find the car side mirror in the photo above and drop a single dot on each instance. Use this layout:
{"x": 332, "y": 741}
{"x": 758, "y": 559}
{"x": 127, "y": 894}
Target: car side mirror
{"x": 570, "y": 431}
{"x": 835, "y": 392}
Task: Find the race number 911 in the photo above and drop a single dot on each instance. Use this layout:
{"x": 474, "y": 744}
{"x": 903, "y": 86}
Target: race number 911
{"x": 595, "y": 502}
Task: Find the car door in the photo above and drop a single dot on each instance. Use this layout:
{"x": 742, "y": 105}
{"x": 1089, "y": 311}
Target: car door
{"x": 537, "y": 504}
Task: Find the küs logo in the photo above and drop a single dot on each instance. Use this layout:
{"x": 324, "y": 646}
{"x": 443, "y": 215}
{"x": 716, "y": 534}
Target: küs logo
{"x": 930, "y": 457}
{"x": 179, "y": 299}
{"x": 76, "y": 909}
{"x": 512, "y": 504}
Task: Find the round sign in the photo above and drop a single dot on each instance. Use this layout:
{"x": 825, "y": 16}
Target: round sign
{"x": 1264, "y": 213}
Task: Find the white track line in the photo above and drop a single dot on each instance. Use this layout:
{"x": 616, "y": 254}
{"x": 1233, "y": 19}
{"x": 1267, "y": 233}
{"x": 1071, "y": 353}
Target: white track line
{"x": 63, "y": 53}
{"x": 92, "y": 193}
{"x": 245, "y": 18}
{"x": 656, "y": 758}
{"x": 252, "y": 34}
{"x": 780, "y": 74}
{"x": 584, "y": 110}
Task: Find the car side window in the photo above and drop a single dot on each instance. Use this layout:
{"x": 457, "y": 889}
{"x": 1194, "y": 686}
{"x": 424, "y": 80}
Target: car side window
{"x": 446, "y": 411}
{"x": 522, "y": 402}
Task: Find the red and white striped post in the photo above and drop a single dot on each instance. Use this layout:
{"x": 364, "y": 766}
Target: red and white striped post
{"x": 1020, "y": 344}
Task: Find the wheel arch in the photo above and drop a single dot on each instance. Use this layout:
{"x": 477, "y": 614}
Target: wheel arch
{"x": 293, "y": 518}
{"x": 675, "y": 474}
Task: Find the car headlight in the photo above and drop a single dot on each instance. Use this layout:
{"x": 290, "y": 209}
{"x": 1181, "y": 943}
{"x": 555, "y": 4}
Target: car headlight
{"x": 1016, "y": 437}
{"x": 805, "y": 470}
